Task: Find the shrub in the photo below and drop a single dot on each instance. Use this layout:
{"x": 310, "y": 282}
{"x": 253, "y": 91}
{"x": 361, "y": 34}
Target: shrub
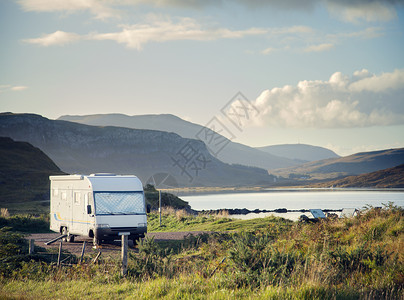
{"x": 256, "y": 262}
{"x": 13, "y": 246}
{"x": 26, "y": 223}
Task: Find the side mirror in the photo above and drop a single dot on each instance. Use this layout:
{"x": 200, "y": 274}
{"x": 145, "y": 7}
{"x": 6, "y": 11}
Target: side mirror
{"x": 88, "y": 209}
{"x": 148, "y": 208}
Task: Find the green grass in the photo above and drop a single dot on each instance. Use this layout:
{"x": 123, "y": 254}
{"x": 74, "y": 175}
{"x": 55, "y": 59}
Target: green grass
{"x": 183, "y": 287}
{"x": 179, "y": 220}
{"x": 267, "y": 258}
{"x": 27, "y": 207}
{"x": 26, "y": 223}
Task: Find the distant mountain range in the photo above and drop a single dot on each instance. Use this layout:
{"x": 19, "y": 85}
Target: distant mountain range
{"x": 355, "y": 164}
{"x": 387, "y": 178}
{"x": 78, "y": 148}
{"x": 227, "y": 151}
{"x": 24, "y": 171}
{"x": 302, "y": 152}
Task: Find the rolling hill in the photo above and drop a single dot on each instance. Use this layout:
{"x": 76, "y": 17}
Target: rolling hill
{"x": 219, "y": 146}
{"x": 301, "y": 152}
{"x": 78, "y": 148}
{"x": 356, "y": 164}
{"x": 24, "y": 172}
{"x": 387, "y": 178}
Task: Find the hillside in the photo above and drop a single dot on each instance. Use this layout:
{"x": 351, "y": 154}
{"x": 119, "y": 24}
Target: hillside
{"x": 84, "y": 149}
{"x": 355, "y": 164}
{"x": 387, "y": 178}
{"x": 232, "y": 153}
{"x": 24, "y": 172}
{"x": 301, "y": 152}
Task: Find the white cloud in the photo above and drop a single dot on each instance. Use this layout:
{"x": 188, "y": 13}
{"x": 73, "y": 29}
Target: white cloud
{"x": 19, "y": 88}
{"x": 136, "y": 36}
{"x": 296, "y": 38}
{"x": 57, "y": 38}
{"x": 101, "y": 9}
{"x": 368, "y": 33}
{"x": 356, "y": 11}
{"x": 268, "y": 51}
{"x": 378, "y": 84}
{"x": 9, "y": 87}
{"x": 363, "y": 99}
{"x": 291, "y": 30}
{"x": 159, "y": 28}
{"x": 319, "y": 48}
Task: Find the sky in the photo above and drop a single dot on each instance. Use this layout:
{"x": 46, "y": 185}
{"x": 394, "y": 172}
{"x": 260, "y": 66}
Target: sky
{"x": 262, "y": 72}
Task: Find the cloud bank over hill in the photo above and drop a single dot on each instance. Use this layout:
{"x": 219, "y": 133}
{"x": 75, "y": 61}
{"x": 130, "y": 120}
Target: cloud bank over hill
{"x": 363, "y": 99}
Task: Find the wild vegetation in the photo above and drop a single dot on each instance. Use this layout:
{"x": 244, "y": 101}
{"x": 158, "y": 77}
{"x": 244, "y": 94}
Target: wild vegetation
{"x": 167, "y": 199}
{"x": 353, "y": 258}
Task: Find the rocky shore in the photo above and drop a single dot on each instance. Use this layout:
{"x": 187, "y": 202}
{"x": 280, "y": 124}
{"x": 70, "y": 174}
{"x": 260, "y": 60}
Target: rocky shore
{"x": 245, "y": 211}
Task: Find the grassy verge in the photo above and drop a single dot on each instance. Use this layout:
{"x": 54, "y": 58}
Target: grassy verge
{"x": 184, "y": 287}
{"x": 353, "y": 258}
{"x": 27, "y": 207}
{"x": 180, "y": 220}
{"x": 26, "y": 223}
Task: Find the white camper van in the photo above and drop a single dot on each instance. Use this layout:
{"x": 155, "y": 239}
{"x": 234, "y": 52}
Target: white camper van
{"x": 100, "y": 206}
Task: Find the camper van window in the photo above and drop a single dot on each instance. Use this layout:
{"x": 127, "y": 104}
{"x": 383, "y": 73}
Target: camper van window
{"x": 77, "y": 197}
{"x": 116, "y": 203}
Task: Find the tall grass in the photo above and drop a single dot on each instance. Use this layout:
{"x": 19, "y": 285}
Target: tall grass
{"x": 26, "y": 223}
{"x": 353, "y": 258}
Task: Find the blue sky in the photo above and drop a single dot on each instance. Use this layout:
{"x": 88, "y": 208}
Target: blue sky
{"x": 327, "y": 73}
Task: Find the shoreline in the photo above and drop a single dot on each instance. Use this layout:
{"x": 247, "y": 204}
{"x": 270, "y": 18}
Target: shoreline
{"x": 245, "y": 211}
{"x": 196, "y": 191}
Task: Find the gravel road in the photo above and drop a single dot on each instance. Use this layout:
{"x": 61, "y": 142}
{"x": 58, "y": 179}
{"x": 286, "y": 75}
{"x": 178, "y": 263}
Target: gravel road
{"x": 107, "y": 249}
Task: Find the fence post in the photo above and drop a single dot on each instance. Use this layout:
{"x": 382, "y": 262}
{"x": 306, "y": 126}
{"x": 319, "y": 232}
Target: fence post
{"x": 124, "y": 252}
{"x": 82, "y": 252}
{"x": 160, "y": 207}
{"x": 60, "y": 252}
{"x": 97, "y": 257}
{"x": 31, "y": 246}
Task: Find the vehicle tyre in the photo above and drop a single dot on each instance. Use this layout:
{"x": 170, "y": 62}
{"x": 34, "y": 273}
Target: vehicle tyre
{"x": 64, "y": 232}
{"x": 69, "y": 238}
{"x": 96, "y": 242}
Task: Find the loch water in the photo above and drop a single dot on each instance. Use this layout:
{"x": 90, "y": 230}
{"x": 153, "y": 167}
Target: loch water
{"x": 295, "y": 199}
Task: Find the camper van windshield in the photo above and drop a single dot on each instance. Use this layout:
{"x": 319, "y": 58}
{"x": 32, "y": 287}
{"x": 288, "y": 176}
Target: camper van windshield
{"x": 117, "y": 203}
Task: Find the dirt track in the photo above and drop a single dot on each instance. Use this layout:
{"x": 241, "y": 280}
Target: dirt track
{"x": 107, "y": 249}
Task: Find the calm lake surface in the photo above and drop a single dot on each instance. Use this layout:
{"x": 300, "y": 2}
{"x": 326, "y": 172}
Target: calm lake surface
{"x": 293, "y": 199}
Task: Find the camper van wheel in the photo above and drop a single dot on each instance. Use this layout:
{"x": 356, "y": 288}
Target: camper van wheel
{"x": 69, "y": 238}
{"x": 96, "y": 242}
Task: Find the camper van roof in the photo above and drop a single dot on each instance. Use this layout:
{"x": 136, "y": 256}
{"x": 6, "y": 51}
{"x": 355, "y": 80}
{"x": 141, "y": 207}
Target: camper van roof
{"x": 105, "y": 182}
{"x": 103, "y": 174}
{"x": 66, "y": 177}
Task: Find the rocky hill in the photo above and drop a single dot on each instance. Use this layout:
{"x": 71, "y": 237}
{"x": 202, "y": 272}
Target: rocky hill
{"x": 78, "y": 148}
{"x": 388, "y": 178}
{"x": 301, "y": 152}
{"x": 221, "y": 147}
{"x": 24, "y": 172}
{"x": 356, "y": 164}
